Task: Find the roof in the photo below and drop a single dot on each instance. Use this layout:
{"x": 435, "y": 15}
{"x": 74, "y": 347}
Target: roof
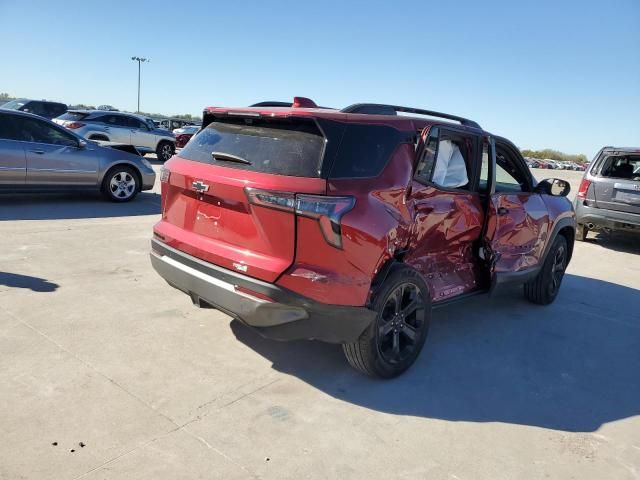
{"x": 411, "y": 118}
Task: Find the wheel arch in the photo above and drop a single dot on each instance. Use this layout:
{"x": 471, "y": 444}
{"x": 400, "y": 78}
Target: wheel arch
{"x": 111, "y": 167}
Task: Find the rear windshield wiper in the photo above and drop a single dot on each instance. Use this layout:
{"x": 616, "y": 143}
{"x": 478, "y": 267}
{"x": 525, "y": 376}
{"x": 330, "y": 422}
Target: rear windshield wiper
{"x": 227, "y": 157}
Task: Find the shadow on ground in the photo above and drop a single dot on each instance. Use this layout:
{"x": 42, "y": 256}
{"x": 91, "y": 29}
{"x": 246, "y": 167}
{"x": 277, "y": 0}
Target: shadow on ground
{"x": 571, "y": 366}
{"x": 52, "y": 206}
{"x": 618, "y": 241}
{"x": 36, "y": 284}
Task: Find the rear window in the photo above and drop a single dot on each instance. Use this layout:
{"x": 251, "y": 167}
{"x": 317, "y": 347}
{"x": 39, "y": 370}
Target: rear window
{"x": 283, "y": 147}
{"x": 73, "y": 116}
{"x": 621, "y": 166}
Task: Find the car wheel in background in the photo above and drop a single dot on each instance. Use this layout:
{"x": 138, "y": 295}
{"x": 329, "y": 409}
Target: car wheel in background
{"x": 165, "y": 151}
{"x": 395, "y": 338}
{"x": 544, "y": 288}
{"x": 581, "y": 232}
{"x": 121, "y": 184}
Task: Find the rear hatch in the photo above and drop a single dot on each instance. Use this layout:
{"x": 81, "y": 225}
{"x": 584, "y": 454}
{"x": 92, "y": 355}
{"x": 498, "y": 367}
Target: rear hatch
{"x": 618, "y": 184}
{"x": 227, "y": 197}
{"x": 71, "y": 118}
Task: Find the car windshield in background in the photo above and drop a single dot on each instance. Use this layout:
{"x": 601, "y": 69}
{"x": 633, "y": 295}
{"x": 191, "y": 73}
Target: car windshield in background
{"x": 14, "y": 104}
{"x": 73, "y": 116}
{"x": 279, "y": 147}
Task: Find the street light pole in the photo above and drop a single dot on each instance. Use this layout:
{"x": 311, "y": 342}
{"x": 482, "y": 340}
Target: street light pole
{"x": 139, "y": 60}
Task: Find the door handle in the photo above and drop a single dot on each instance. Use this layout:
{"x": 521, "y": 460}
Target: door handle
{"x": 503, "y": 211}
{"x": 39, "y": 152}
{"x": 106, "y": 128}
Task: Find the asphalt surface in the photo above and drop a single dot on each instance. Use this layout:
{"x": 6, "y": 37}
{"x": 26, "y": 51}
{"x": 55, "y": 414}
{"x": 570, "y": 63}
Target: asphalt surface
{"x": 108, "y": 373}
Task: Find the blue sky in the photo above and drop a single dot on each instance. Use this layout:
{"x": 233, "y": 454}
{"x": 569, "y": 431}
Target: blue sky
{"x": 557, "y": 74}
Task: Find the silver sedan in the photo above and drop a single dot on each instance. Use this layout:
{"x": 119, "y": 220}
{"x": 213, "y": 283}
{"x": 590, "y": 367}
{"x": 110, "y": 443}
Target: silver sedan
{"x": 38, "y": 155}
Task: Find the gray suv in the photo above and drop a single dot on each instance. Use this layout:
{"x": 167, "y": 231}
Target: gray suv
{"x": 124, "y": 128}
{"x": 609, "y": 194}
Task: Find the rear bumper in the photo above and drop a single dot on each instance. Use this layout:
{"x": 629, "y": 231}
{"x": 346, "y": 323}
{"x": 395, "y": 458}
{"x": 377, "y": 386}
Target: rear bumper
{"x": 610, "y": 219}
{"x": 286, "y": 316}
{"x": 148, "y": 180}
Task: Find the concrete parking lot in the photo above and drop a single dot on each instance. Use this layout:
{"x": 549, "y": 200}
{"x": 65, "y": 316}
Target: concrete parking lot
{"x": 108, "y": 373}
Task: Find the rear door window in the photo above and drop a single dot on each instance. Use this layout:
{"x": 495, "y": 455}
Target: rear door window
{"x": 365, "y": 150}
{"x": 283, "y": 147}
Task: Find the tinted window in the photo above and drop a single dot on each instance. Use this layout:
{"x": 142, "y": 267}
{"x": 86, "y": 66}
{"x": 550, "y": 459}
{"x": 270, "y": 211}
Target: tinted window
{"x": 135, "y": 123}
{"x": 8, "y": 130}
{"x": 32, "y": 130}
{"x": 54, "y": 109}
{"x": 35, "y": 107}
{"x": 282, "y": 147}
{"x": 365, "y": 150}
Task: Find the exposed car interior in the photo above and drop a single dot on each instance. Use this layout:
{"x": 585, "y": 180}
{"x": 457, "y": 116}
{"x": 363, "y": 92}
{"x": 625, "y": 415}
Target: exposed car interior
{"x": 625, "y": 167}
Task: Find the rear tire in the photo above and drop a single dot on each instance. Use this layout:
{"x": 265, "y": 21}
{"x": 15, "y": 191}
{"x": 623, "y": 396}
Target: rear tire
{"x": 544, "y": 288}
{"x": 395, "y": 338}
{"x": 121, "y": 184}
{"x": 165, "y": 151}
{"x": 581, "y": 232}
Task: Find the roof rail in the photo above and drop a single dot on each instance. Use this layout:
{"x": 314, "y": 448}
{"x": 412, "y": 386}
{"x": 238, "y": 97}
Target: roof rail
{"x": 382, "y": 109}
{"x": 271, "y": 104}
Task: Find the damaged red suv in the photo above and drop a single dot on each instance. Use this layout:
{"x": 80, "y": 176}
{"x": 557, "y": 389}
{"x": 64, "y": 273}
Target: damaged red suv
{"x": 349, "y": 226}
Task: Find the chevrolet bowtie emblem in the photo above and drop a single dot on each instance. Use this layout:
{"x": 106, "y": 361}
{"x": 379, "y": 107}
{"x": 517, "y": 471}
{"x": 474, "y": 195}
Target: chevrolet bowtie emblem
{"x": 200, "y": 186}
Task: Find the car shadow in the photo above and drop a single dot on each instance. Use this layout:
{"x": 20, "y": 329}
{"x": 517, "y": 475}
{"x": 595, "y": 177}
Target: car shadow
{"x": 570, "y": 366}
{"x": 36, "y": 284}
{"x": 618, "y": 241}
{"x": 53, "y": 206}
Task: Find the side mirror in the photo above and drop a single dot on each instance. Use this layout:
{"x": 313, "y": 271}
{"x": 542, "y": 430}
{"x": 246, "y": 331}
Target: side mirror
{"x": 553, "y": 186}
{"x": 82, "y": 144}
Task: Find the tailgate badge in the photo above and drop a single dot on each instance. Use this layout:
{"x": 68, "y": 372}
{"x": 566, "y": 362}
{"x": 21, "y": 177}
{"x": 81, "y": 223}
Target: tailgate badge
{"x": 200, "y": 186}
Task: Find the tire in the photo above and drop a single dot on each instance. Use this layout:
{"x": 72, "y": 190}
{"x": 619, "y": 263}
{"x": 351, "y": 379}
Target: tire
{"x": 581, "y": 232}
{"x": 100, "y": 138}
{"x": 544, "y": 288}
{"x": 375, "y": 352}
{"x": 165, "y": 151}
{"x": 121, "y": 184}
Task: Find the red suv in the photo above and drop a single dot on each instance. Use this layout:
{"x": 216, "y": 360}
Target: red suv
{"x": 349, "y": 226}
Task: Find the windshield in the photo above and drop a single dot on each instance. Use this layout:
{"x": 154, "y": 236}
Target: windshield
{"x": 14, "y": 104}
{"x": 150, "y": 123}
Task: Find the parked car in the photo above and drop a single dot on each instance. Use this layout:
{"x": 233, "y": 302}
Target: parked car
{"x": 173, "y": 123}
{"x": 184, "y": 134}
{"x": 42, "y": 108}
{"x": 39, "y": 155}
{"x": 609, "y": 194}
{"x": 125, "y": 128}
{"x": 349, "y": 226}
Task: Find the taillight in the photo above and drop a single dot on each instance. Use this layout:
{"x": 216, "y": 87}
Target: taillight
{"x": 73, "y": 125}
{"x": 327, "y": 210}
{"x": 584, "y": 187}
{"x": 164, "y": 175}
